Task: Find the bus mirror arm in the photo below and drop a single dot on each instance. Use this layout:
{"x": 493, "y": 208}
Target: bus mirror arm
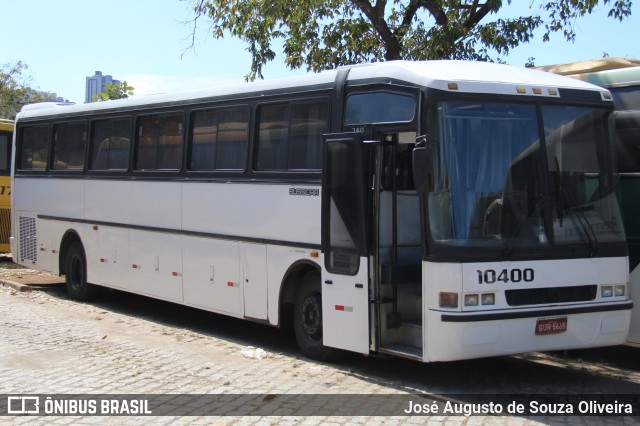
{"x": 422, "y": 169}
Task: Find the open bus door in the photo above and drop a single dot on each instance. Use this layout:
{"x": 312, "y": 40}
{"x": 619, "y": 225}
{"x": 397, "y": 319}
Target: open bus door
{"x": 345, "y": 271}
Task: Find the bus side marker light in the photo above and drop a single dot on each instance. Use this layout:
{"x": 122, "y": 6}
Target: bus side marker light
{"x": 606, "y": 291}
{"x": 537, "y": 91}
{"x": 606, "y": 96}
{"x": 488, "y": 299}
{"x": 618, "y": 290}
{"x": 553, "y": 92}
{"x": 521, "y": 89}
{"x": 314, "y": 254}
{"x": 452, "y": 86}
{"x": 448, "y": 300}
{"x": 471, "y": 300}
{"x": 344, "y": 308}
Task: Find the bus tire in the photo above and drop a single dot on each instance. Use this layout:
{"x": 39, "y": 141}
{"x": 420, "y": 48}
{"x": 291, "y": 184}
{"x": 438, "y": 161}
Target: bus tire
{"x": 307, "y": 318}
{"x": 76, "y": 274}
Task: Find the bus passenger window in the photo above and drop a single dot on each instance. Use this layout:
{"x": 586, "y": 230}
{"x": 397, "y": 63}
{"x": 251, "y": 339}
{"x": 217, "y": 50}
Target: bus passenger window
{"x": 33, "y": 144}
{"x": 159, "y": 142}
{"x": 308, "y": 124}
{"x": 290, "y": 136}
{"x": 110, "y": 142}
{"x": 273, "y": 137}
{"x": 219, "y": 139}
{"x": 69, "y": 141}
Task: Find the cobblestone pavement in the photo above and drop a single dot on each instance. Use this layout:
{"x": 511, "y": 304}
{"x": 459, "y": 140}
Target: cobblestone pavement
{"x": 129, "y": 344}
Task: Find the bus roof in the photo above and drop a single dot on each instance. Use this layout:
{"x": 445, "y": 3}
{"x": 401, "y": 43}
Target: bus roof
{"x": 6, "y": 124}
{"x": 459, "y": 76}
{"x": 605, "y": 72}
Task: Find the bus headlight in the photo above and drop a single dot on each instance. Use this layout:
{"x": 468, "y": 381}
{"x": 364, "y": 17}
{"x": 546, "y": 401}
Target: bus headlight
{"x": 606, "y": 291}
{"x": 471, "y": 300}
{"x": 448, "y": 300}
{"x": 618, "y": 290}
{"x": 489, "y": 299}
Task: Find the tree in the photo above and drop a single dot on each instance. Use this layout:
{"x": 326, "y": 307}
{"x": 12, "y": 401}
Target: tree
{"x": 114, "y": 91}
{"x": 15, "y": 91}
{"x": 324, "y": 34}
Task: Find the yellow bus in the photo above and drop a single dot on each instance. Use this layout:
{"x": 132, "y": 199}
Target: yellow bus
{"x": 6, "y": 138}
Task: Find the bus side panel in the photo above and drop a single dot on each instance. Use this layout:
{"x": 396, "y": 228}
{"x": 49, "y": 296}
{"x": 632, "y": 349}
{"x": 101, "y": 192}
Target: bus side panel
{"x": 156, "y": 263}
{"x": 62, "y": 198}
{"x": 38, "y": 245}
{"x": 108, "y": 201}
{"x": 109, "y": 261}
{"x": 254, "y": 280}
{"x": 261, "y": 211}
{"x": 212, "y": 275}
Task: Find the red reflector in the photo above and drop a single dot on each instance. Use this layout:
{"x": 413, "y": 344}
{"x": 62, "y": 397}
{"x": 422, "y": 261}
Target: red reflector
{"x": 339, "y": 308}
{"x": 103, "y": 260}
{"x": 53, "y": 251}
{"x": 42, "y": 249}
{"x": 134, "y": 266}
{"x": 175, "y": 274}
{"x": 229, "y": 284}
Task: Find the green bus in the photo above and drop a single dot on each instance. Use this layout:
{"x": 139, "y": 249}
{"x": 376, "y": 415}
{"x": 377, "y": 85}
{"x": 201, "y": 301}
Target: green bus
{"x": 622, "y": 77}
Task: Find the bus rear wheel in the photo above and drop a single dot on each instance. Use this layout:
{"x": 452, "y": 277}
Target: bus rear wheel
{"x": 76, "y": 274}
{"x": 307, "y": 318}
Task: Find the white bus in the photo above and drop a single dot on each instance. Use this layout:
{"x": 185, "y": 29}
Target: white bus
{"x": 430, "y": 210}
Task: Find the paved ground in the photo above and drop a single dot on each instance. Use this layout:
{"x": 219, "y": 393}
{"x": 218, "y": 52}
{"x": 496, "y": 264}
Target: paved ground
{"x": 129, "y": 344}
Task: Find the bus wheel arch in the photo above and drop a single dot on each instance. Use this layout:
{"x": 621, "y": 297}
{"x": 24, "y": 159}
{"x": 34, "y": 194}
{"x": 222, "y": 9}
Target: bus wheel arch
{"x": 307, "y": 318}
{"x": 73, "y": 264}
{"x": 291, "y": 279}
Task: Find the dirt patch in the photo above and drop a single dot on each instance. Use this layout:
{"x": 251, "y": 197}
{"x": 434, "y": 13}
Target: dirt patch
{"x": 18, "y": 273}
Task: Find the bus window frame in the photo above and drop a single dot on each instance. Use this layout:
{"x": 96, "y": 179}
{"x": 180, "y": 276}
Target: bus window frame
{"x": 189, "y": 139}
{"x": 255, "y": 140}
{"x": 416, "y": 93}
{"x": 52, "y": 147}
{"x": 89, "y": 169}
{"x": 133, "y": 161}
{"x": 20, "y": 147}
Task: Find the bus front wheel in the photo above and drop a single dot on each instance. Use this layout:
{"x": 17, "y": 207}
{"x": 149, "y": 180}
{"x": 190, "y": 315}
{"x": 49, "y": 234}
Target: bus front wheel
{"x": 76, "y": 274}
{"x": 307, "y": 318}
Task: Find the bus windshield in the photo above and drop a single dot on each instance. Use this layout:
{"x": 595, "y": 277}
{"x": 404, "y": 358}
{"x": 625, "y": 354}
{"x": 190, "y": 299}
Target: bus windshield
{"x": 500, "y": 183}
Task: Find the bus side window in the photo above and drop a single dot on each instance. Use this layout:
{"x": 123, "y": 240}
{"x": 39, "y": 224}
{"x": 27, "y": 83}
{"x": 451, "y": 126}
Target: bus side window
{"x": 159, "y": 142}
{"x": 290, "y": 136}
{"x": 219, "y": 139}
{"x": 33, "y": 146}
{"x": 69, "y": 142}
{"x": 110, "y": 142}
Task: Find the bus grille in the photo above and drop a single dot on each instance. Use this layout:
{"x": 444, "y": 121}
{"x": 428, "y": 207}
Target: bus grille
{"x": 28, "y": 239}
{"x": 543, "y": 296}
{"x": 5, "y": 225}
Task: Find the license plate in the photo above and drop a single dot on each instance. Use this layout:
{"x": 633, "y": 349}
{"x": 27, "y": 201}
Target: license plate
{"x": 551, "y": 325}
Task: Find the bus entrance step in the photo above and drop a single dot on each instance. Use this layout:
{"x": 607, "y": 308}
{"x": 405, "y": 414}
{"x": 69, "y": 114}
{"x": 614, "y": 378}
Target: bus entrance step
{"x": 406, "y": 351}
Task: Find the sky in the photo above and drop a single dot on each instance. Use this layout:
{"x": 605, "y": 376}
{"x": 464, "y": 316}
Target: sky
{"x": 146, "y": 43}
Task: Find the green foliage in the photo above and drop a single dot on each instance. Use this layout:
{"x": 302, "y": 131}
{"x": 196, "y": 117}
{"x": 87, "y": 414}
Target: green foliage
{"x": 15, "y": 91}
{"x": 324, "y": 34}
{"x": 114, "y": 91}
